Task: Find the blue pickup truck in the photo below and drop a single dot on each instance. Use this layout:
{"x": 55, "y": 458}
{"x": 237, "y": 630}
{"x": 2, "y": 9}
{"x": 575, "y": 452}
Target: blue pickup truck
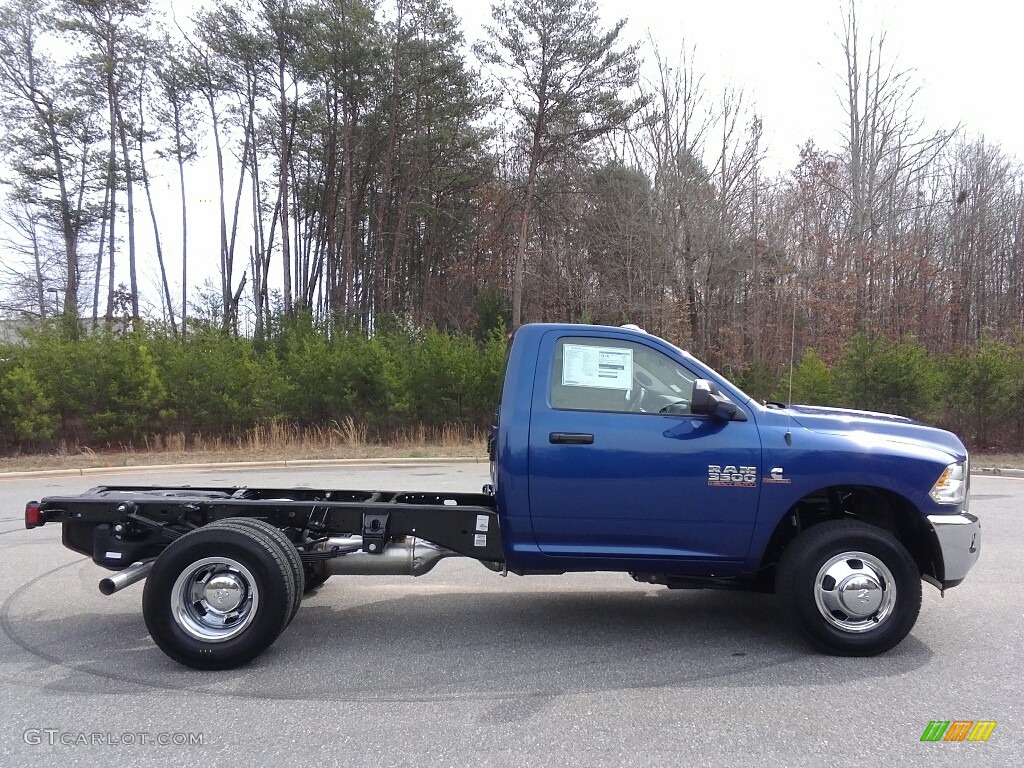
{"x": 613, "y": 450}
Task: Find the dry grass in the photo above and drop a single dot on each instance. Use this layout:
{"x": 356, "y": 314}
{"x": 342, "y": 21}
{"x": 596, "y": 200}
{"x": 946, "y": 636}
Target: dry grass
{"x": 345, "y": 440}
{"x": 1002, "y": 460}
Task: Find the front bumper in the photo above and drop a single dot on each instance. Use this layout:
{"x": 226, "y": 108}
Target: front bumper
{"x": 959, "y": 539}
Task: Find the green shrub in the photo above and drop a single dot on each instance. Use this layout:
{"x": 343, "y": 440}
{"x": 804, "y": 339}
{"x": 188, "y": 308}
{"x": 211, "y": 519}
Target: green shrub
{"x": 25, "y": 409}
{"x": 813, "y": 382}
{"x": 121, "y": 385}
{"x": 757, "y": 380}
{"x": 219, "y": 384}
{"x": 881, "y": 375}
{"x": 981, "y": 390}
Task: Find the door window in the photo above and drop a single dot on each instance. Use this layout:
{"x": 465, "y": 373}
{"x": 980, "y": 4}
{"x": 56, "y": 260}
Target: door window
{"x": 617, "y": 376}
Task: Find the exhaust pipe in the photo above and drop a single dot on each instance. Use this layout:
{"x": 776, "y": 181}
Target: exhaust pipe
{"x": 406, "y": 557}
{"x": 133, "y": 573}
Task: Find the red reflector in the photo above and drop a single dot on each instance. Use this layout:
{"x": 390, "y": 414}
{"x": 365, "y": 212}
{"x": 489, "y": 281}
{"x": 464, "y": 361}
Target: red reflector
{"x": 33, "y": 515}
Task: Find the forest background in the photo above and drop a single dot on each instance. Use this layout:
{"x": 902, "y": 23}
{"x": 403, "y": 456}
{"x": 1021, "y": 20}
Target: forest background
{"x": 381, "y": 204}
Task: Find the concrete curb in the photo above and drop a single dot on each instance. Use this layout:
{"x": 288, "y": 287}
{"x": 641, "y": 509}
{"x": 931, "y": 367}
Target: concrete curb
{"x": 997, "y": 472}
{"x": 239, "y": 465}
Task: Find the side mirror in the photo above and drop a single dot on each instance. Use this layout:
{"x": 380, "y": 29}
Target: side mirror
{"x": 707, "y": 401}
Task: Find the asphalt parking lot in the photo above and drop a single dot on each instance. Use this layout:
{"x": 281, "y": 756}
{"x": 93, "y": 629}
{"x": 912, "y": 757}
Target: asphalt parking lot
{"x": 462, "y": 667}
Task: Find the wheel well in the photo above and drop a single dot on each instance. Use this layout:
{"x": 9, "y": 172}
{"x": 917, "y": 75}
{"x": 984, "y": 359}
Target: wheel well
{"x": 875, "y": 506}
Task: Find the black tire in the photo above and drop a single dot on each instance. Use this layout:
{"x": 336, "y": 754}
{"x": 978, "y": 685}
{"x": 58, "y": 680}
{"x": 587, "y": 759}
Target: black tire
{"x": 287, "y": 547}
{"x": 852, "y": 589}
{"x": 180, "y": 611}
{"x": 316, "y": 575}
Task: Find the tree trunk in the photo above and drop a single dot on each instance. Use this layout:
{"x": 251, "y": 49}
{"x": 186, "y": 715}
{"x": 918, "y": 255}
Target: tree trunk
{"x": 184, "y": 234}
{"x": 129, "y": 186}
{"x": 283, "y": 175}
{"x": 112, "y": 186}
{"x": 347, "y": 238}
{"x": 156, "y": 228}
{"x": 224, "y": 284}
{"x": 519, "y": 275}
{"x": 99, "y": 260}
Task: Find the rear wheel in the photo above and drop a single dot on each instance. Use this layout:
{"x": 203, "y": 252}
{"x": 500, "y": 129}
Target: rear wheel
{"x": 853, "y": 589}
{"x": 219, "y": 596}
{"x": 280, "y": 539}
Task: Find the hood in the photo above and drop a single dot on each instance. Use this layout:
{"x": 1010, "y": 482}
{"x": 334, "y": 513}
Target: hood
{"x": 888, "y": 426}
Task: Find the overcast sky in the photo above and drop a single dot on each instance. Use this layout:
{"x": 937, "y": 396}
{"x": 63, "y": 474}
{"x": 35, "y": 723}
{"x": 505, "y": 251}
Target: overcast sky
{"x": 786, "y": 56}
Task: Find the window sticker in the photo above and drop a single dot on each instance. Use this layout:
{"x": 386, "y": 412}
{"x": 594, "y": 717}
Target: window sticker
{"x": 602, "y": 367}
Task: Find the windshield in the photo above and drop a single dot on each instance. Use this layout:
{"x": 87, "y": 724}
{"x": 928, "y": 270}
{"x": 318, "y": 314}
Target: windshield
{"x": 687, "y": 356}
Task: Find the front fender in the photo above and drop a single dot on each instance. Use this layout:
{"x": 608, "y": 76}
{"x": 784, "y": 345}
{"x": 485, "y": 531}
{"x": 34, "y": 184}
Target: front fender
{"x": 809, "y": 462}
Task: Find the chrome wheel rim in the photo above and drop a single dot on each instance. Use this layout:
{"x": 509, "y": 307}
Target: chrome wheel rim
{"x": 855, "y": 592}
{"x": 214, "y": 599}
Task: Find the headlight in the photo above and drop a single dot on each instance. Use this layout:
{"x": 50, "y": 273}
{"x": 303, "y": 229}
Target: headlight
{"x": 951, "y": 487}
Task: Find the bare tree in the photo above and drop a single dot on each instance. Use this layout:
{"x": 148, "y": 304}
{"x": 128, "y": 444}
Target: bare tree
{"x": 670, "y": 145}
{"x": 141, "y": 136}
{"x": 27, "y": 278}
{"x": 48, "y": 126}
{"x": 112, "y": 47}
{"x": 564, "y": 80}
{"x": 176, "y": 109}
{"x": 886, "y": 149}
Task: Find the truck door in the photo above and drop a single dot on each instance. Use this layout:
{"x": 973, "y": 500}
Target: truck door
{"x": 618, "y": 466}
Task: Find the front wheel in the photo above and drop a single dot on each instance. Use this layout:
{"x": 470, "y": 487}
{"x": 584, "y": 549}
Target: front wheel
{"x": 853, "y": 589}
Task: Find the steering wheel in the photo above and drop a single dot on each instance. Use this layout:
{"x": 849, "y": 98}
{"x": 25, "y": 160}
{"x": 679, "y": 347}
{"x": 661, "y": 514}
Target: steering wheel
{"x": 638, "y": 393}
{"x": 636, "y": 399}
{"x": 678, "y": 408}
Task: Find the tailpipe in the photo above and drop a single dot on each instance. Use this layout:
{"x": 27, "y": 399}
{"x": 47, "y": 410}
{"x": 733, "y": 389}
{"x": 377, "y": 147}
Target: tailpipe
{"x": 118, "y": 581}
{"x": 410, "y": 556}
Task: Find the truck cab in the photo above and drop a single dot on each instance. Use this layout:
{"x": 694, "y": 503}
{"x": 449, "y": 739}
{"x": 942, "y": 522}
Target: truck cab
{"x": 616, "y": 450}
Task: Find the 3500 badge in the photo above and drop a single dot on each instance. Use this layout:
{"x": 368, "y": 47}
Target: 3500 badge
{"x": 740, "y": 477}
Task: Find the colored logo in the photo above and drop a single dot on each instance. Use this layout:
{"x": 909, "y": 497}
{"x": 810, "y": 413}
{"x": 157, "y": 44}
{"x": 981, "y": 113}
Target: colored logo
{"x": 777, "y": 476}
{"x": 958, "y": 730}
